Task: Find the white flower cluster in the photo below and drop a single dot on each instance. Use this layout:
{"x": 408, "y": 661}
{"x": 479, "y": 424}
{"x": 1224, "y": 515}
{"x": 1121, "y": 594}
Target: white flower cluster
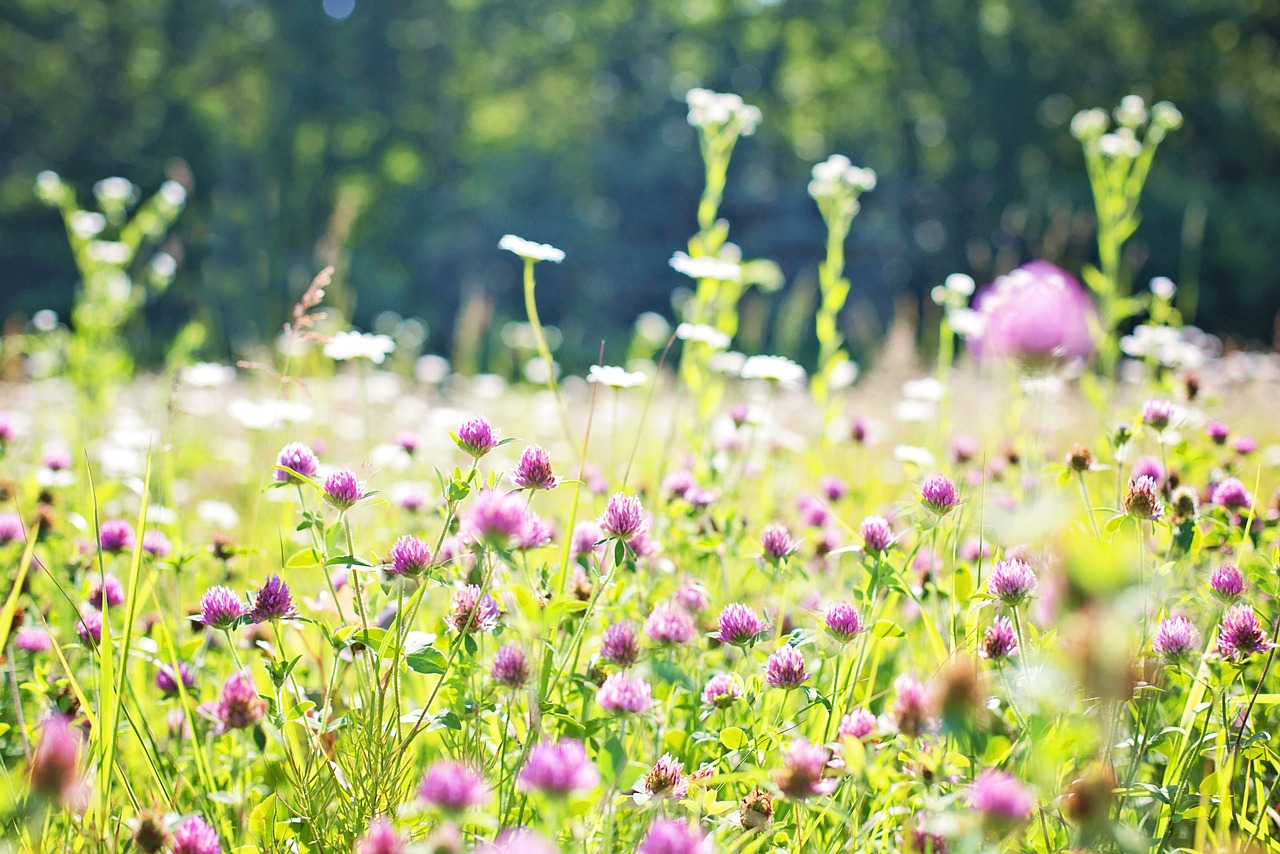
{"x": 1179, "y": 349}
{"x": 1090, "y": 126}
{"x": 359, "y": 345}
{"x": 713, "y": 111}
{"x": 115, "y": 191}
{"x": 775, "y": 369}
{"x": 837, "y": 176}
{"x": 702, "y": 333}
{"x": 530, "y": 251}
{"x": 953, "y": 295}
{"x": 615, "y": 377}
{"x": 706, "y": 267}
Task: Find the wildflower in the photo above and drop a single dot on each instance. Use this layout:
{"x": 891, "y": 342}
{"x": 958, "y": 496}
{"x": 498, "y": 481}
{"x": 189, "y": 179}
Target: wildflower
{"x": 477, "y": 437}
{"x": 11, "y": 529}
{"x": 665, "y": 778}
{"x": 89, "y": 626}
{"x": 53, "y": 771}
{"x": 624, "y": 694}
{"x": 195, "y": 836}
{"x": 619, "y": 645}
{"x": 299, "y": 458}
{"x": 1241, "y": 635}
{"x": 537, "y": 532}
{"x": 408, "y": 442}
{"x": 692, "y": 596}
{"x": 674, "y": 836}
{"x": 1001, "y": 797}
{"x": 351, "y": 344}
{"x": 814, "y": 513}
{"x": 678, "y": 483}
{"x": 804, "y": 770}
{"x": 786, "y": 668}
{"x": 706, "y": 267}
{"x": 739, "y": 625}
{"x": 700, "y": 332}
{"x": 534, "y": 470}
{"x": 33, "y": 640}
{"x": 669, "y": 624}
{"x": 774, "y": 369}
{"x": 115, "y": 535}
{"x": 558, "y": 769}
{"x": 410, "y": 556}
{"x": 836, "y": 177}
{"x": 495, "y": 518}
{"x": 877, "y": 536}
{"x": 150, "y": 835}
{"x": 156, "y": 544}
{"x": 1176, "y": 639}
{"x": 1080, "y": 459}
{"x": 452, "y": 787}
{"x": 859, "y": 724}
{"x": 1037, "y": 313}
{"x": 1000, "y": 641}
{"x": 1217, "y": 432}
{"x": 975, "y": 548}
{"x": 722, "y": 691}
{"x": 623, "y": 517}
{"x": 1227, "y": 584}
{"x": 8, "y": 432}
{"x": 342, "y": 490}
{"x": 1142, "y": 501}
{"x": 938, "y": 494}
{"x": 834, "y": 488}
{"x": 221, "y": 608}
{"x": 859, "y": 431}
{"x": 106, "y": 589}
{"x": 911, "y": 706}
{"x": 472, "y": 612}
{"x": 166, "y": 682}
{"x": 380, "y": 838}
{"x": 1011, "y": 581}
{"x": 713, "y": 110}
{"x": 755, "y": 811}
{"x": 776, "y": 541}
{"x": 273, "y": 601}
{"x": 615, "y": 377}
{"x": 1244, "y": 445}
{"x": 410, "y": 497}
{"x": 518, "y": 841}
{"x": 239, "y": 706}
{"x": 843, "y": 623}
{"x": 1158, "y": 414}
{"x": 530, "y": 251}
{"x": 1185, "y": 503}
{"x": 1148, "y": 467}
{"x": 1089, "y": 797}
{"x": 1231, "y": 494}
{"x": 586, "y": 534}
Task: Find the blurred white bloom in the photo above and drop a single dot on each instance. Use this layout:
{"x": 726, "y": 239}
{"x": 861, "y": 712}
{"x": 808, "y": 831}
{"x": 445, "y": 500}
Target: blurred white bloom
{"x": 927, "y": 389}
{"x": 431, "y": 369}
{"x": 615, "y": 377}
{"x": 701, "y": 332}
{"x": 777, "y": 369}
{"x": 219, "y": 514}
{"x": 164, "y": 265}
{"x": 109, "y": 252}
{"x": 87, "y": 224}
{"x": 264, "y": 416}
{"x": 1132, "y": 111}
{"x": 529, "y": 250}
{"x": 960, "y": 283}
{"x": 45, "y": 320}
{"x": 49, "y": 186}
{"x": 1122, "y": 143}
{"x": 713, "y": 110}
{"x": 914, "y": 455}
{"x": 158, "y": 514}
{"x": 652, "y": 326}
{"x": 918, "y": 411}
{"x": 173, "y": 193}
{"x": 208, "y": 374}
{"x": 836, "y": 176}
{"x": 115, "y": 190}
{"x": 359, "y": 345}
{"x": 51, "y": 479}
{"x": 119, "y": 287}
{"x": 1163, "y": 287}
{"x": 967, "y": 323}
{"x": 706, "y": 267}
{"x": 729, "y": 364}
{"x": 1166, "y": 115}
{"x": 939, "y": 295}
{"x": 843, "y": 375}
{"x": 537, "y": 372}
{"x": 1186, "y": 348}
{"x": 1089, "y": 124}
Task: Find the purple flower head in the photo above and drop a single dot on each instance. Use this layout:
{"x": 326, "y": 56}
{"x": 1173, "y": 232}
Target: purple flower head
{"x": 33, "y": 640}
{"x": 53, "y": 772}
{"x": 701, "y": 498}
{"x": 1158, "y": 414}
{"x": 678, "y": 483}
{"x": 1148, "y": 467}
{"x": 408, "y": 442}
{"x": 813, "y": 512}
{"x": 497, "y": 519}
{"x": 964, "y": 449}
{"x": 834, "y": 488}
{"x": 1217, "y": 432}
{"x": 273, "y": 601}
{"x": 843, "y": 623}
{"x": 410, "y": 556}
{"x": 195, "y": 836}
{"x": 558, "y": 769}
{"x": 623, "y": 694}
{"x": 1000, "y": 641}
{"x": 89, "y": 626}
{"x": 674, "y": 836}
{"x": 1241, "y": 634}
{"x": 156, "y": 544}
{"x": 1176, "y": 639}
{"x": 1244, "y": 445}
{"x": 221, "y": 608}
{"x": 1012, "y": 581}
{"x": 623, "y": 517}
{"x": 380, "y": 838}
{"x": 115, "y": 535}
{"x": 509, "y": 666}
{"x": 739, "y": 414}
{"x": 619, "y": 645}
{"x": 721, "y": 691}
{"x": 537, "y": 532}
{"x": 1143, "y": 501}
{"x": 912, "y": 706}
{"x": 859, "y": 724}
{"x": 452, "y": 787}
{"x": 412, "y": 498}
{"x": 692, "y": 596}
{"x": 1227, "y": 584}
{"x": 668, "y": 623}
{"x": 1001, "y": 797}
{"x": 299, "y": 458}
{"x": 938, "y": 494}
{"x": 803, "y": 774}
{"x": 477, "y": 437}
{"x": 107, "y": 588}
{"x": 776, "y": 541}
{"x": 57, "y": 460}
{"x": 859, "y": 430}
{"x": 518, "y": 841}
{"x": 168, "y": 684}
{"x": 665, "y": 779}
{"x": 975, "y": 548}
{"x": 342, "y": 490}
{"x": 877, "y": 536}
{"x": 472, "y": 612}
{"x": 534, "y": 470}
{"x": 739, "y": 625}
{"x": 1231, "y": 494}
{"x": 585, "y": 536}
{"x": 239, "y": 706}
{"x": 11, "y": 528}
{"x": 7, "y": 431}
{"x": 786, "y": 668}
{"x": 1037, "y": 313}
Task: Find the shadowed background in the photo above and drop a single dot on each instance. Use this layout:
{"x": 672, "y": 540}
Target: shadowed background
{"x": 400, "y": 140}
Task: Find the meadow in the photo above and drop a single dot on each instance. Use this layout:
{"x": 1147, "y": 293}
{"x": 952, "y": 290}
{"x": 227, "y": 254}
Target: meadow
{"x": 1019, "y": 598}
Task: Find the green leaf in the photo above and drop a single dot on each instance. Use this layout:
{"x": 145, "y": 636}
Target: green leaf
{"x": 613, "y": 760}
{"x": 427, "y": 661}
{"x": 262, "y": 820}
{"x": 304, "y": 559}
{"x": 887, "y": 629}
{"x": 733, "y": 738}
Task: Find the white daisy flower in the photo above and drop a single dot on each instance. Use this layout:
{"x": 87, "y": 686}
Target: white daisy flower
{"x": 529, "y": 250}
{"x": 615, "y": 377}
{"x": 778, "y": 369}
{"x": 359, "y": 345}
{"x": 706, "y": 268}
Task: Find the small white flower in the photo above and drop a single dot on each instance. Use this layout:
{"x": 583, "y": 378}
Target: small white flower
{"x": 836, "y": 176}
{"x": 87, "y": 224}
{"x": 615, "y": 377}
{"x": 843, "y": 375}
{"x": 110, "y": 252}
{"x": 1132, "y": 111}
{"x": 529, "y": 250}
{"x": 917, "y": 411}
{"x": 173, "y": 193}
{"x": 45, "y": 320}
{"x": 706, "y": 267}
{"x": 730, "y": 363}
{"x": 49, "y": 186}
{"x": 702, "y": 333}
{"x": 1089, "y": 124}
{"x": 208, "y": 374}
{"x": 164, "y": 265}
{"x": 1120, "y": 144}
{"x": 359, "y": 345}
{"x": 967, "y": 323}
{"x": 777, "y": 369}
{"x": 960, "y": 283}
{"x": 927, "y": 389}
{"x": 1166, "y": 115}
{"x": 431, "y": 369}
{"x": 914, "y": 455}
{"x": 1163, "y": 287}
{"x": 115, "y": 190}
{"x": 219, "y": 514}
{"x": 714, "y": 110}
